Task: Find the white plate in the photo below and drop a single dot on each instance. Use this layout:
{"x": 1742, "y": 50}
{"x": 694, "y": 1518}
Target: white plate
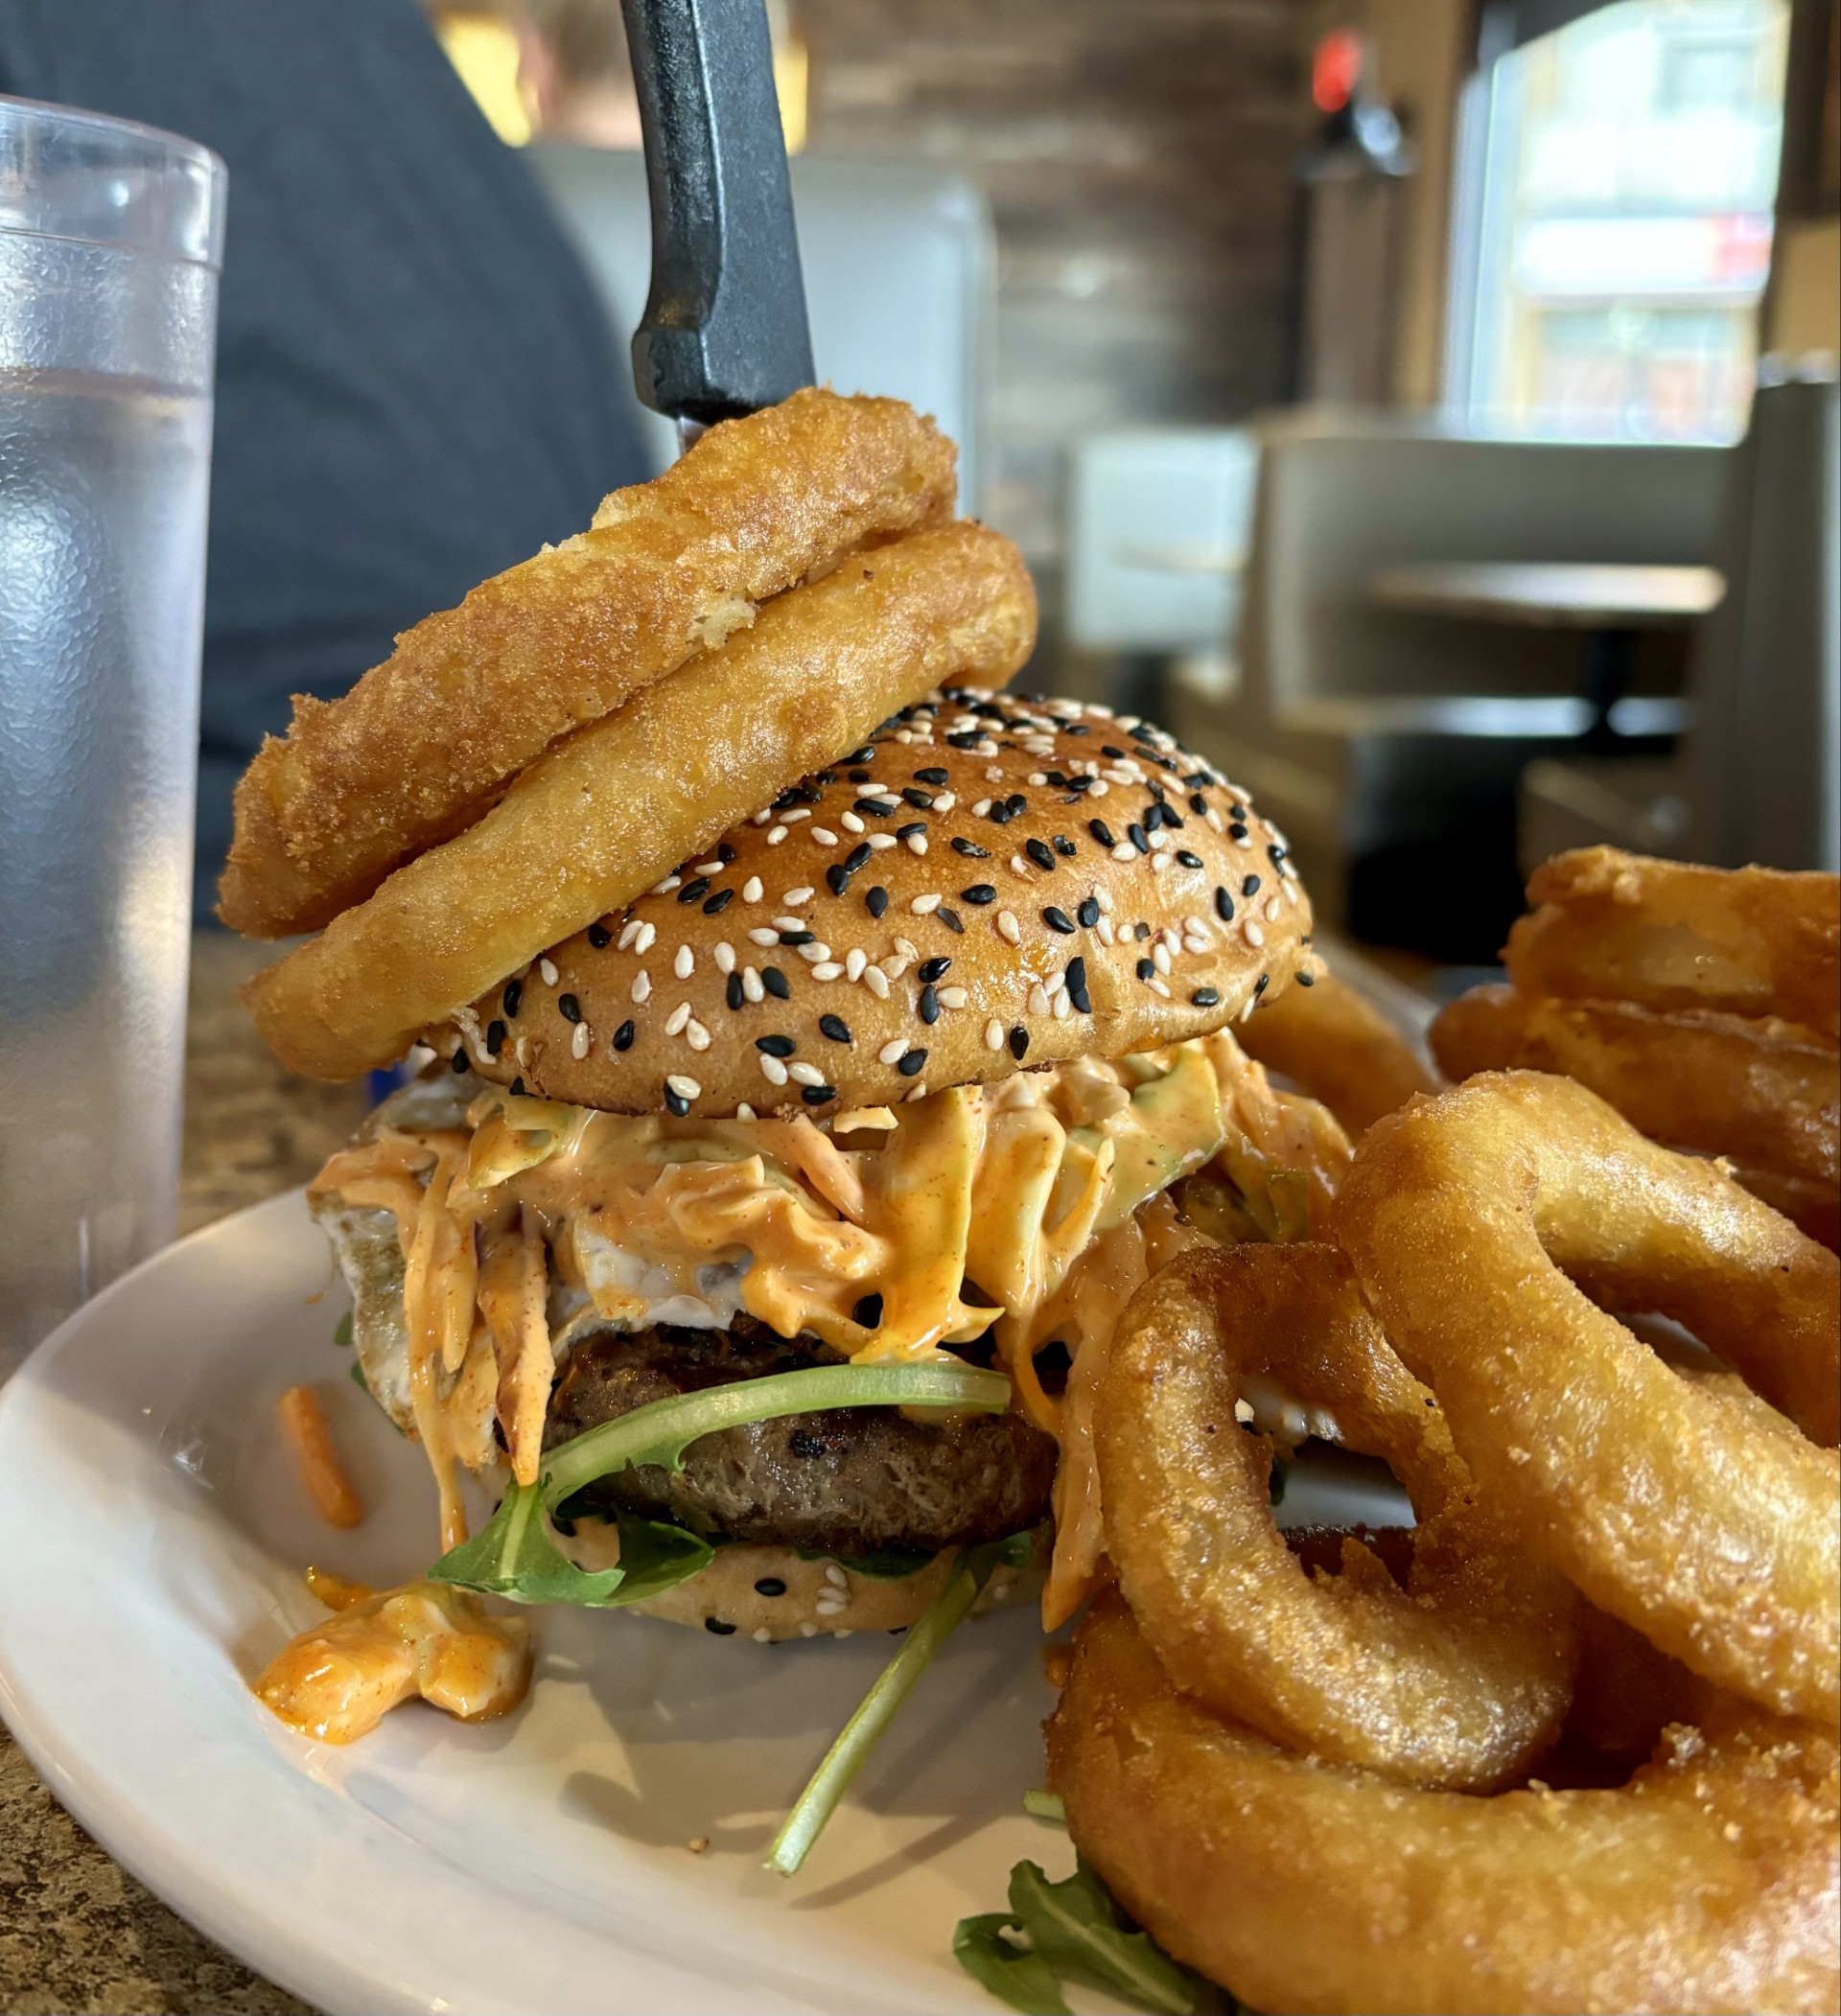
{"x": 156, "y": 1530}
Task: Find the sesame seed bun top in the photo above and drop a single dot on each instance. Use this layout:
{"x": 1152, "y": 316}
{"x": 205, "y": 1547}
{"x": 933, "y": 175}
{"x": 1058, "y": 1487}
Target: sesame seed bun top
{"x": 991, "y": 883}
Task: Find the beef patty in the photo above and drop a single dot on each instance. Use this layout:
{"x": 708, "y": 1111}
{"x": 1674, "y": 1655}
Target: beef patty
{"x": 849, "y": 1480}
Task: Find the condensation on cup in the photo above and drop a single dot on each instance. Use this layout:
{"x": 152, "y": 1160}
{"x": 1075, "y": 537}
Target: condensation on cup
{"x": 110, "y": 241}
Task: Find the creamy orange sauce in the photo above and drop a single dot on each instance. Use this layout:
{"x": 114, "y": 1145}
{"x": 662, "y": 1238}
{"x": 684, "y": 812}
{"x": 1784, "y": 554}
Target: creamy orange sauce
{"x": 338, "y": 1680}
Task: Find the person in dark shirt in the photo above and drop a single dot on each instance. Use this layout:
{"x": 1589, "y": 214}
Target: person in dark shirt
{"x": 416, "y": 385}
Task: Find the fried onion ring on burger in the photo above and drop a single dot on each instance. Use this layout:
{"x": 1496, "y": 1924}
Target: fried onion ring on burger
{"x": 1713, "y": 1528}
{"x": 1766, "y": 1092}
{"x": 1338, "y": 1046}
{"x": 1457, "y": 1679}
{"x": 1611, "y": 926}
{"x": 618, "y": 804}
{"x": 1705, "y": 1886}
{"x": 421, "y": 745}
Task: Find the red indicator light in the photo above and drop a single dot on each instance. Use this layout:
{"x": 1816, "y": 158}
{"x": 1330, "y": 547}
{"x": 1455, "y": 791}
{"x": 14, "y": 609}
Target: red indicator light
{"x": 1335, "y": 67}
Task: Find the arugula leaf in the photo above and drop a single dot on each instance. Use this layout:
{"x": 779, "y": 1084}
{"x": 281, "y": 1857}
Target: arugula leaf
{"x": 517, "y": 1556}
{"x": 1076, "y": 1929}
{"x": 1013, "y": 1973}
{"x": 880, "y": 1564}
{"x": 343, "y": 1331}
{"x": 892, "y": 1686}
{"x": 1045, "y": 1806}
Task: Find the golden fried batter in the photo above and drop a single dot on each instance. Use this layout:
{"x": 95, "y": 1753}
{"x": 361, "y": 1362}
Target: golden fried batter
{"x": 422, "y": 745}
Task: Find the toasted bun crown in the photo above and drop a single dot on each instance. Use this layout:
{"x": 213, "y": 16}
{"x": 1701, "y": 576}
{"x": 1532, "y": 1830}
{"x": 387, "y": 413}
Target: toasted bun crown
{"x": 988, "y": 884}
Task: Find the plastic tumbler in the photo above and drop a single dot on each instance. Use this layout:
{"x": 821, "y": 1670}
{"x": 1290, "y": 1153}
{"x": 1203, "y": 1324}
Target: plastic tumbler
{"x": 110, "y": 241}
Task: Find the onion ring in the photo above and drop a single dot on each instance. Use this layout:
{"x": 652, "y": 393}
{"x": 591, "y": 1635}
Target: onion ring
{"x": 1764, "y": 1092}
{"x": 1334, "y": 1044}
{"x": 618, "y": 804}
{"x": 421, "y": 745}
{"x": 1612, "y": 926}
{"x": 1705, "y": 1886}
{"x": 1713, "y": 1531}
{"x": 1814, "y": 1209}
{"x": 1459, "y": 1679}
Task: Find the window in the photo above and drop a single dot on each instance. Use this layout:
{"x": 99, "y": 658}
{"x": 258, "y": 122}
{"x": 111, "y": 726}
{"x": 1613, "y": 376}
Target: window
{"x": 1613, "y": 223}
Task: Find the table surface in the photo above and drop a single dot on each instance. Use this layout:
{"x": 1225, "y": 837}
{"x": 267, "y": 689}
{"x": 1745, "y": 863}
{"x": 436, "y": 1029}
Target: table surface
{"x": 1569, "y": 595}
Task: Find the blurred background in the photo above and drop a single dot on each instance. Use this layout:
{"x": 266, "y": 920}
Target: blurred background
{"x": 1426, "y": 407}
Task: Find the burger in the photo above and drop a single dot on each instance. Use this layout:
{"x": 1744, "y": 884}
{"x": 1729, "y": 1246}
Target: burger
{"x": 924, "y": 1064}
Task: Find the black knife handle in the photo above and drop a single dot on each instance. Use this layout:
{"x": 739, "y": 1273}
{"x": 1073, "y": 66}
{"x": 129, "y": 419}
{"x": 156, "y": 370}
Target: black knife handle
{"x": 724, "y": 331}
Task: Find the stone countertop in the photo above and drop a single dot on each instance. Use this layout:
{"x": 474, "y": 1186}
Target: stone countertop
{"x": 77, "y": 1931}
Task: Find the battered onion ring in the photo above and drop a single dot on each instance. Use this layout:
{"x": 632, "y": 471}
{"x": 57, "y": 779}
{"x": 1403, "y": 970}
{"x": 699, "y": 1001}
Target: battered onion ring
{"x": 419, "y": 748}
{"x": 1705, "y": 1886}
{"x": 1620, "y": 927}
{"x": 1337, "y": 1046}
{"x": 618, "y": 804}
{"x": 1459, "y": 1679}
{"x": 1712, "y": 1527}
{"x": 1766, "y": 1092}
{"x": 1812, "y": 1208}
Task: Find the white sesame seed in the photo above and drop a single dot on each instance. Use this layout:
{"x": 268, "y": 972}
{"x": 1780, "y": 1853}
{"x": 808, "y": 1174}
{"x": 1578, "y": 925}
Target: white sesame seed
{"x": 952, "y": 997}
{"x": 629, "y": 931}
{"x": 578, "y": 1043}
{"x": 876, "y": 981}
{"x": 695, "y": 1034}
{"x": 1104, "y": 930}
{"x": 648, "y": 933}
{"x": 983, "y": 806}
{"x": 907, "y": 948}
{"x": 827, "y": 969}
{"x": 772, "y": 1069}
{"x": 917, "y": 842}
{"x": 893, "y": 1053}
{"x": 762, "y": 1635}
{"x": 1038, "y": 999}
{"x": 823, "y": 836}
{"x": 945, "y": 802}
{"x": 881, "y": 842}
{"x": 1100, "y": 787}
{"x": 807, "y": 1629}
{"x": 752, "y": 891}
{"x": 1124, "y": 850}
{"x": 1244, "y": 842}
{"x": 774, "y": 839}
{"x": 1018, "y": 865}
{"x": 834, "y": 1574}
{"x": 1246, "y": 1014}
{"x": 1063, "y": 1006}
{"x": 793, "y": 817}
{"x": 849, "y": 821}
{"x": 795, "y": 898}
{"x": 709, "y": 868}
{"x": 854, "y": 961}
{"x": 994, "y": 1034}
{"x": 1103, "y": 896}
{"x": 994, "y": 774}
{"x": 761, "y": 817}
{"x": 724, "y": 954}
{"x": 1271, "y": 911}
{"x": 789, "y": 923}
{"x": 751, "y": 987}
{"x": 1160, "y": 957}
{"x": 677, "y": 1017}
{"x": 1252, "y": 934}
{"x": 684, "y": 964}
{"x": 815, "y": 953}
{"x": 1035, "y": 776}
{"x": 1212, "y": 818}
{"x": 548, "y": 969}
{"x": 805, "y": 1074}
{"x": 1054, "y": 982}
{"x": 1009, "y": 928}
{"x": 1158, "y": 862}
{"x": 1160, "y": 986}
{"x": 913, "y": 1098}
{"x": 665, "y": 888}
{"x": 760, "y": 935}
{"x": 642, "y": 985}
{"x": 833, "y": 1607}
{"x": 684, "y": 1087}
{"x": 744, "y": 1111}
{"x": 926, "y": 906}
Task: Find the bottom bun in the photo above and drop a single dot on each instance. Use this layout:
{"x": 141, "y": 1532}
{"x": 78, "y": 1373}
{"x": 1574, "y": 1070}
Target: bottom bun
{"x": 770, "y": 1594}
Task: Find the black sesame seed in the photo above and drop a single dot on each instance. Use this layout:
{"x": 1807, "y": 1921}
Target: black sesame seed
{"x": 1037, "y": 851}
{"x": 875, "y": 807}
{"x": 929, "y": 1005}
{"x": 837, "y": 878}
{"x": 868, "y": 1312}
{"x": 799, "y": 938}
{"x": 1057, "y": 920}
{"x": 1152, "y": 815}
{"x": 1275, "y": 851}
{"x": 1223, "y": 905}
{"x": 1064, "y": 846}
{"x": 1206, "y": 997}
{"x": 930, "y": 776}
{"x": 835, "y": 1027}
{"x": 876, "y": 901}
{"x": 623, "y": 1036}
{"x": 912, "y": 1064}
{"x": 1170, "y": 818}
{"x": 1260, "y": 986}
{"x": 495, "y": 1037}
{"x": 458, "y": 1064}
{"x": 934, "y": 968}
{"x": 979, "y": 892}
{"x": 776, "y": 1046}
{"x": 965, "y": 738}
{"x": 818, "y": 1095}
{"x": 694, "y": 892}
{"x": 1197, "y": 805}
{"x": 858, "y": 857}
{"x": 914, "y": 826}
{"x": 950, "y": 917}
{"x": 859, "y": 777}
{"x": 1137, "y": 835}
{"x": 516, "y": 1087}
{"x": 770, "y": 1585}
{"x": 1304, "y": 980}
{"x": 726, "y": 854}
{"x": 865, "y": 755}
{"x": 1188, "y": 859}
{"x": 1141, "y": 930}
{"x": 824, "y": 777}
{"x": 1249, "y": 886}
{"x": 1089, "y": 913}
{"x": 1101, "y": 832}
{"x": 1079, "y": 785}
{"x": 1146, "y": 969}
{"x": 921, "y": 799}
{"x": 1019, "y": 804}
{"x": 1019, "y": 1042}
{"x": 1000, "y": 814}
{"x": 675, "y": 1102}
{"x": 1075, "y": 727}
{"x": 718, "y": 903}
{"x": 721, "y": 1625}
{"x": 1236, "y": 831}
{"x": 514, "y": 993}
{"x": 1112, "y": 749}
{"x": 1077, "y": 985}
{"x": 599, "y": 937}
{"x": 568, "y": 1007}
{"x": 733, "y": 991}
{"x": 969, "y": 849}
{"x": 1055, "y": 778}
{"x": 775, "y": 982}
